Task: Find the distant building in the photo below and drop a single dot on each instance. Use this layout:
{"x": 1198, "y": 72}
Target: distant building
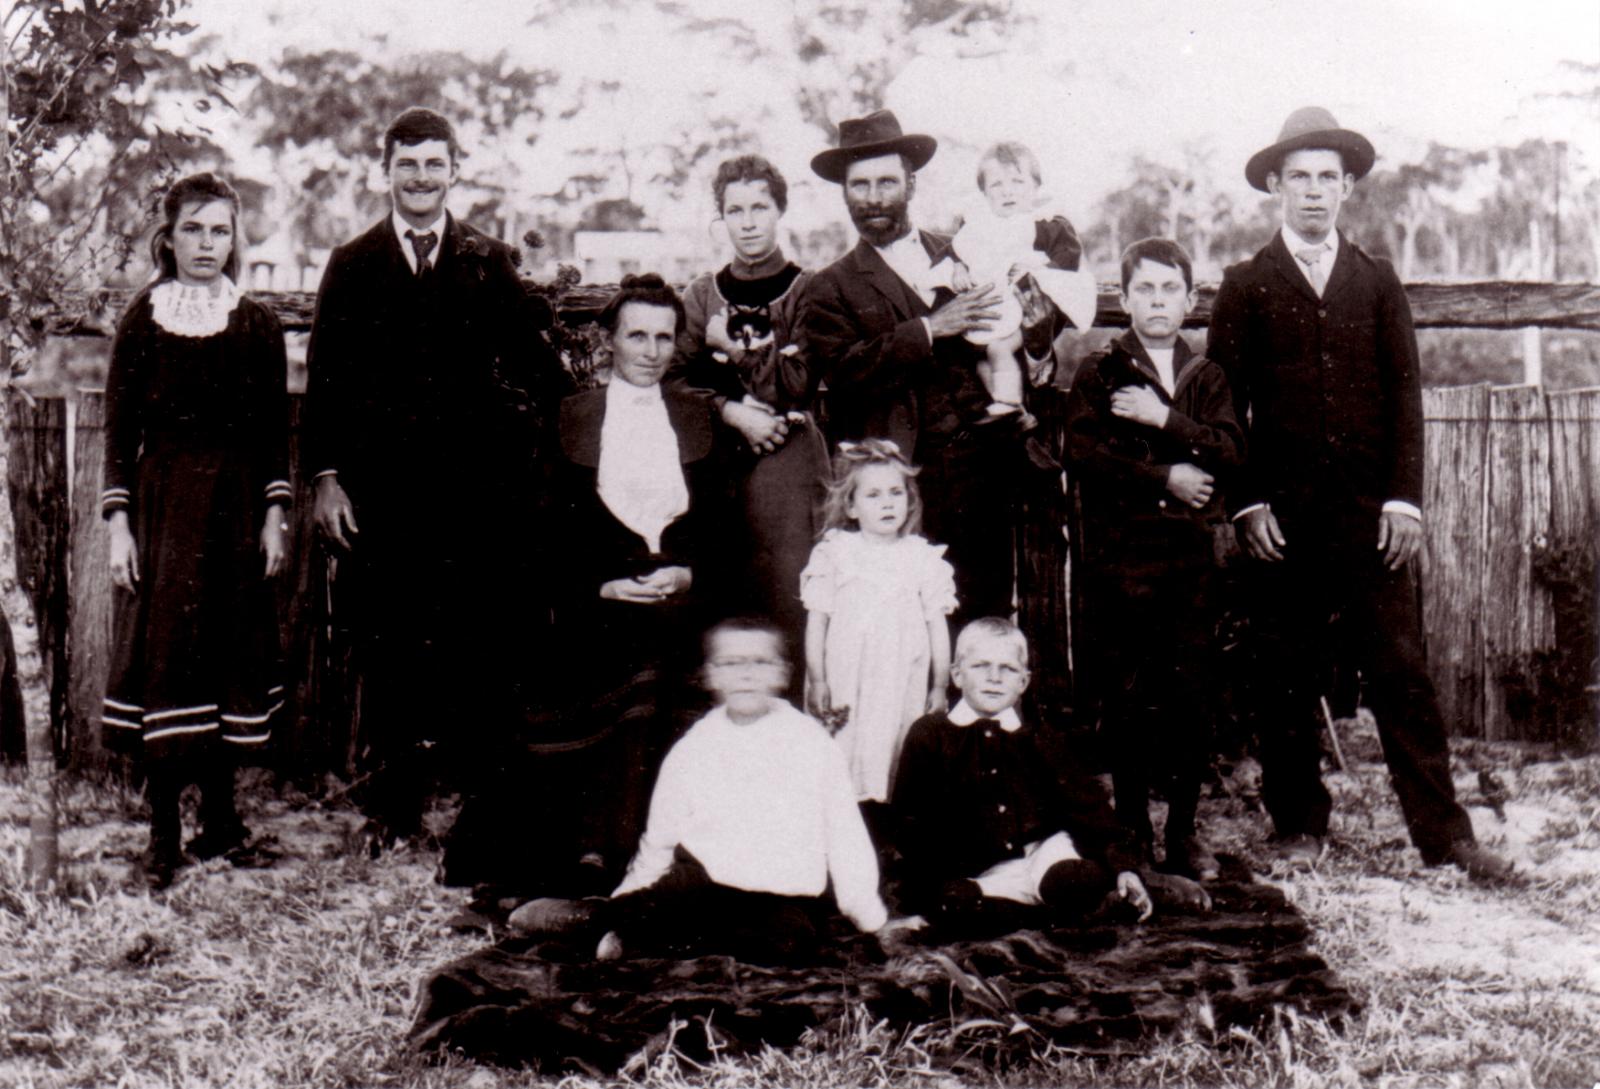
{"x": 605, "y": 257}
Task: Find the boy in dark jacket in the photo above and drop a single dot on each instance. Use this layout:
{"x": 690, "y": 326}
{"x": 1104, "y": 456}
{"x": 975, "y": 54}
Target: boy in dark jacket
{"x": 1150, "y": 429}
{"x": 991, "y": 826}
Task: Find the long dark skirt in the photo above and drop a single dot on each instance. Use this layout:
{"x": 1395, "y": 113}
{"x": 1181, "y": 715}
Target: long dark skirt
{"x": 195, "y": 654}
{"x": 782, "y": 497}
{"x": 564, "y": 814}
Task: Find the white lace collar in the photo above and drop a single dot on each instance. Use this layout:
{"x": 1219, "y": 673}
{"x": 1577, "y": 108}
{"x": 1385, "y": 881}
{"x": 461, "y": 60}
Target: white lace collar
{"x": 193, "y": 311}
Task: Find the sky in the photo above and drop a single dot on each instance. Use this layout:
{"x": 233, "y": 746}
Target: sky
{"x": 1148, "y": 77}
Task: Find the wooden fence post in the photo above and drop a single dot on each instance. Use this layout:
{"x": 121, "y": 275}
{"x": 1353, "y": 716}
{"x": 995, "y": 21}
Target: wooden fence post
{"x": 1517, "y": 618}
{"x": 1568, "y": 567}
{"x": 1455, "y": 481}
{"x": 89, "y": 575}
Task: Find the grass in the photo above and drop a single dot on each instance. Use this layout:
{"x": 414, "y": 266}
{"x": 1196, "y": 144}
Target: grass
{"x": 306, "y": 973}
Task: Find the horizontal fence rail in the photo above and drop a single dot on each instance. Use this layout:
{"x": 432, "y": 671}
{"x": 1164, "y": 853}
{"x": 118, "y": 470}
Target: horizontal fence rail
{"x": 1490, "y": 304}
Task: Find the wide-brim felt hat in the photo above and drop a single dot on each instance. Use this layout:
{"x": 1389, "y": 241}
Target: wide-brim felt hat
{"x": 1313, "y": 127}
{"x": 867, "y": 137}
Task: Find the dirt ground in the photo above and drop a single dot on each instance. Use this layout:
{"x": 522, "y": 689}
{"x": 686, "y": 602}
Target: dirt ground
{"x": 306, "y": 972}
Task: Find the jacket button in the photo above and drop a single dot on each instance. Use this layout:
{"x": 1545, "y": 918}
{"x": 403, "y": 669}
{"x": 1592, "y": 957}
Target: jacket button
{"x": 1001, "y": 808}
{"x": 1322, "y": 313}
{"x": 1162, "y": 503}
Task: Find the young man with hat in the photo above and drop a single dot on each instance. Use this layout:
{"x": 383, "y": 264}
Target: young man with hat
{"x": 890, "y": 349}
{"x": 1317, "y": 342}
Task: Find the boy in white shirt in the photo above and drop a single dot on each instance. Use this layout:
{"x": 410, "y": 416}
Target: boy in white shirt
{"x": 752, "y": 818}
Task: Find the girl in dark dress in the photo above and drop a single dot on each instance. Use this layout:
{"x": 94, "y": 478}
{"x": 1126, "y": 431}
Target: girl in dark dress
{"x": 196, "y": 489}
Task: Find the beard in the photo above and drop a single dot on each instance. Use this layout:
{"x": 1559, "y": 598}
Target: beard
{"x": 896, "y": 220}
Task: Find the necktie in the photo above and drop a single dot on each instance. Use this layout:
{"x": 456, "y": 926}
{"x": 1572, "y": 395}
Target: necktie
{"x": 422, "y": 245}
{"x": 1311, "y": 258}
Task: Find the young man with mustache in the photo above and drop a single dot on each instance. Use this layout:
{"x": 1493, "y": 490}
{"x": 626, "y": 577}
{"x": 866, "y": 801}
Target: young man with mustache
{"x": 410, "y": 444}
{"x": 890, "y": 350}
{"x": 1317, "y": 342}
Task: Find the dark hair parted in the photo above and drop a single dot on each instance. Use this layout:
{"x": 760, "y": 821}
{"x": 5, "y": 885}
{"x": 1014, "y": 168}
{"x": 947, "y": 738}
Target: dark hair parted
{"x": 1163, "y": 251}
{"x": 194, "y": 189}
{"x": 750, "y": 168}
{"x": 646, "y": 288}
{"x": 415, "y": 126}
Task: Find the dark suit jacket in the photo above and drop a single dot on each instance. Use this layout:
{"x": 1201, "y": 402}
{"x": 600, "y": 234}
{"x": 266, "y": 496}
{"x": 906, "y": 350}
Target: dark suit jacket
{"x": 967, "y": 797}
{"x": 1331, "y": 387}
{"x": 861, "y": 327}
{"x": 1121, "y": 466}
{"x": 408, "y": 378}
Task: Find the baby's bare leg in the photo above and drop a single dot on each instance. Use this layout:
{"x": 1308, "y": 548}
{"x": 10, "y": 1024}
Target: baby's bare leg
{"x": 1002, "y": 373}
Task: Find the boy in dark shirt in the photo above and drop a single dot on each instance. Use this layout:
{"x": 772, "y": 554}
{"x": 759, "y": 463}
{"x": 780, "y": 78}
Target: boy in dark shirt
{"x": 1150, "y": 429}
{"x": 989, "y": 825}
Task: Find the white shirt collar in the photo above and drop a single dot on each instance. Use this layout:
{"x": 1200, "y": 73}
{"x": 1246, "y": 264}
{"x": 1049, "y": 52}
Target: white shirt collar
{"x": 1162, "y": 358}
{"x": 909, "y": 259}
{"x": 779, "y": 708}
{"x": 400, "y": 229}
{"x": 619, "y": 391}
{"x": 963, "y": 714}
{"x": 1330, "y": 245}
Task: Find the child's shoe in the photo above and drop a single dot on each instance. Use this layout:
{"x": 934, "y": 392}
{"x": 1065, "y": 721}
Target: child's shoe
{"x": 1190, "y": 857}
{"x": 216, "y": 842}
{"x": 551, "y": 915}
{"x": 160, "y": 864}
{"x": 610, "y": 947}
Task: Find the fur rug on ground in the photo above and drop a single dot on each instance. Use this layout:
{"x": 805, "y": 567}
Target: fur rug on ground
{"x": 1095, "y": 989}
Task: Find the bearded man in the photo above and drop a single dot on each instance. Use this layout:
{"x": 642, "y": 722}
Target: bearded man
{"x": 889, "y": 346}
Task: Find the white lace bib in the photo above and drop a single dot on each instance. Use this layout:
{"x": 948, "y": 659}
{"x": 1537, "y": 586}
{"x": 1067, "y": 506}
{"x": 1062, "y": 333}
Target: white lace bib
{"x": 193, "y": 311}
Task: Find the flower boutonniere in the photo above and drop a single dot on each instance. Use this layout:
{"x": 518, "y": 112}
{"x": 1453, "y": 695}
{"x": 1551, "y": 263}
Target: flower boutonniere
{"x": 474, "y": 248}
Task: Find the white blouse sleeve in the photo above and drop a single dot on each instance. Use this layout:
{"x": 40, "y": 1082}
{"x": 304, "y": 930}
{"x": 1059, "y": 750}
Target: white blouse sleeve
{"x": 819, "y": 582}
{"x": 936, "y": 584}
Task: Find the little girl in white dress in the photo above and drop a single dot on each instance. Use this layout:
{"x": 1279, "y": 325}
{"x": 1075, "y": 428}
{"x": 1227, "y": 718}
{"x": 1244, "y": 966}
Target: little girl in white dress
{"x": 877, "y": 596}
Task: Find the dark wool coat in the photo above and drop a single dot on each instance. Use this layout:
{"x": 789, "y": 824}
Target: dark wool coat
{"x": 1121, "y": 466}
{"x": 967, "y": 797}
{"x": 419, "y": 398}
{"x": 409, "y": 377}
{"x": 1331, "y": 388}
{"x": 862, "y": 330}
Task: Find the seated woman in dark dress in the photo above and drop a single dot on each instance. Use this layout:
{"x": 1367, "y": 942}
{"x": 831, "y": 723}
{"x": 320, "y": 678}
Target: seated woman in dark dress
{"x": 636, "y": 501}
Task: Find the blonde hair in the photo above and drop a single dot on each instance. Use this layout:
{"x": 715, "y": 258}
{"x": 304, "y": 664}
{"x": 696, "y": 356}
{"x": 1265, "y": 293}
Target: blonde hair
{"x": 848, "y": 463}
{"x": 1009, "y": 153}
{"x": 991, "y": 627}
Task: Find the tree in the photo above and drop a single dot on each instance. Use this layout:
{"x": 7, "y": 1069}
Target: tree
{"x": 323, "y": 113}
{"x": 850, "y": 51}
{"x": 80, "y": 148}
